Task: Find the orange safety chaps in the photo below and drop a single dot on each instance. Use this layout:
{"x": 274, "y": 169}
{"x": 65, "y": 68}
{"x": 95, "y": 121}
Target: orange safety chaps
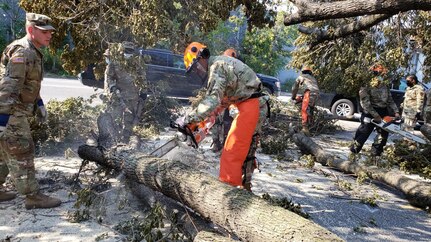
{"x": 304, "y": 108}
{"x": 238, "y": 142}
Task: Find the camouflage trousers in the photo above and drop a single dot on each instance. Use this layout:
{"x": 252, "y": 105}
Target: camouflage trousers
{"x": 17, "y": 155}
{"x": 124, "y": 114}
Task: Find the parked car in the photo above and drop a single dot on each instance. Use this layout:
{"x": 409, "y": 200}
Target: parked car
{"x": 165, "y": 65}
{"x": 345, "y": 106}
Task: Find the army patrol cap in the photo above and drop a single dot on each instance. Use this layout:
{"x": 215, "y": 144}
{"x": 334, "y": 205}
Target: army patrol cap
{"x": 40, "y": 21}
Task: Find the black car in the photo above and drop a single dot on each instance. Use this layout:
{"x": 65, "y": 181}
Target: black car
{"x": 165, "y": 65}
{"x": 341, "y": 105}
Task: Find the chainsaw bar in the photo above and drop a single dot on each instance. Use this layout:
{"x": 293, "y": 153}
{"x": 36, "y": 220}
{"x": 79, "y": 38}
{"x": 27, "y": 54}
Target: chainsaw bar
{"x": 165, "y": 148}
{"x": 395, "y": 129}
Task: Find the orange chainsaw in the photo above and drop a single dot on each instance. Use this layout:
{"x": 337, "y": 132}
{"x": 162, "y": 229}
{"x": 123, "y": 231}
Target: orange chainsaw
{"x": 190, "y": 134}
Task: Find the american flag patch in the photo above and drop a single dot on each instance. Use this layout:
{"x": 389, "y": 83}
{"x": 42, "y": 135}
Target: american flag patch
{"x": 17, "y": 59}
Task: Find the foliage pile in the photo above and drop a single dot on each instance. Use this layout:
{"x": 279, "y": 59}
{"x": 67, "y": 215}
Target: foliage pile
{"x": 68, "y": 120}
{"x": 284, "y": 117}
{"x": 153, "y": 227}
{"x": 410, "y": 157}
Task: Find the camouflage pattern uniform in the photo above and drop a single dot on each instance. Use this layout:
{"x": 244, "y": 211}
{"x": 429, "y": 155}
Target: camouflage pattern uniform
{"x": 427, "y": 109}
{"x": 304, "y": 83}
{"x": 376, "y": 101}
{"x": 413, "y": 103}
{"x": 230, "y": 81}
{"x": 21, "y": 74}
{"x": 124, "y": 97}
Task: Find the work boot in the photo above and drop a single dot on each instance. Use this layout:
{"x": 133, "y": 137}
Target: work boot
{"x": 305, "y": 130}
{"x": 6, "y": 196}
{"x": 40, "y": 200}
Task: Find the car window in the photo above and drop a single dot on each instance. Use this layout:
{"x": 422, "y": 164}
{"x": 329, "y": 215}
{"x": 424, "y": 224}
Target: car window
{"x": 157, "y": 57}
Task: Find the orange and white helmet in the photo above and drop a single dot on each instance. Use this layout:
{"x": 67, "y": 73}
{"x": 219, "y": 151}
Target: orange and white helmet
{"x": 231, "y": 52}
{"x": 193, "y": 52}
{"x": 306, "y": 68}
{"x": 378, "y": 68}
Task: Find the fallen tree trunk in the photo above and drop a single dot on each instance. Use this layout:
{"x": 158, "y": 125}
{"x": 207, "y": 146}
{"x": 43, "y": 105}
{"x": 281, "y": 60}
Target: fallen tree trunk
{"x": 426, "y": 130}
{"x": 249, "y": 217}
{"x": 418, "y": 193}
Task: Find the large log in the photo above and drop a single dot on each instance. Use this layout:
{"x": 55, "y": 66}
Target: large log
{"x": 248, "y": 216}
{"x": 417, "y": 193}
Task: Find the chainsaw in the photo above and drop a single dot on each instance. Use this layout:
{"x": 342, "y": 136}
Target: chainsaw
{"x": 191, "y": 134}
{"x": 393, "y": 125}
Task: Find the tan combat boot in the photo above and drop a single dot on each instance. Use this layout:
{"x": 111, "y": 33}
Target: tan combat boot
{"x": 6, "y": 196}
{"x": 40, "y": 200}
{"x": 305, "y": 130}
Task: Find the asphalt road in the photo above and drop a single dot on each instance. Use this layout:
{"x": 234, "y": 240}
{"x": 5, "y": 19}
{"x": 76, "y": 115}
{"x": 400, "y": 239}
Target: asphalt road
{"x": 62, "y": 88}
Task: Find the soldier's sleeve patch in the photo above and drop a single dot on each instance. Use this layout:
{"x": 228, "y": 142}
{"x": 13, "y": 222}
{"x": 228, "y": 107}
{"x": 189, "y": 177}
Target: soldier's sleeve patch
{"x": 17, "y": 59}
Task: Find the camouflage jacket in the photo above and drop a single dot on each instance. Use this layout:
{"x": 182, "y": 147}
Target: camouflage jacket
{"x": 376, "y": 97}
{"x": 116, "y": 76}
{"x": 21, "y": 72}
{"x": 413, "y": 100}
{"x": 305, "y": 82}
{"x": 230, "y": 81}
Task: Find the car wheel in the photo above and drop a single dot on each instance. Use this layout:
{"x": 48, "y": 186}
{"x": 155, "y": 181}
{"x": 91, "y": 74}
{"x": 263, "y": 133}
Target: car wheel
{"x": 343, "y": 107}
{"x": 268, "y": 90}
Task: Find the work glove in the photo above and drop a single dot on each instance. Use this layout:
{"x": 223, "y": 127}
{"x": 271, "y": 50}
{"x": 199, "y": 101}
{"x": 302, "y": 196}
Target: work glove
{"x": 4, "y": 119}
{"x": 378, "y": 119}
{"x": 41, "y": 113}
{"x": 418, "y": 115}
{"x": 181, "y": 121}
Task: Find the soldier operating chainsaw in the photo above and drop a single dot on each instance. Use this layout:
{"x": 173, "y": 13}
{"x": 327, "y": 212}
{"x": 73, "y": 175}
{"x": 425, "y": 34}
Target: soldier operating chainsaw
{"x": 229, "y": 81}
{"x": 377, "y": 103}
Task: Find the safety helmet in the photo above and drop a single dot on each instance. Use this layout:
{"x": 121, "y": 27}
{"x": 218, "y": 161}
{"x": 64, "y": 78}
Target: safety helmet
{"x": 128, "y": 47}
{"x": 230, "y": 52}
{"x": 306, "y": 68}
{"x": 193, "y": 53}
{"x": 378, "y": 69}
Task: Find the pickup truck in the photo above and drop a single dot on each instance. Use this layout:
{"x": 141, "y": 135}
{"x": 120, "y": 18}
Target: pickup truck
{"x": 165, "y": 65}
{"x": 345, "y": 106}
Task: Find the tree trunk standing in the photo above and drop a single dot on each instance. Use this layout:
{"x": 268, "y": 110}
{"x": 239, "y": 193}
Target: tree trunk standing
{"x": 418, "y": 193}
{"x": 251, "y": 218}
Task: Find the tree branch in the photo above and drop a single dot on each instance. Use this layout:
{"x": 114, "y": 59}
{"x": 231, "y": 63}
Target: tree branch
{"x": 310, "y": 11}
{"x": 343, "y": 31}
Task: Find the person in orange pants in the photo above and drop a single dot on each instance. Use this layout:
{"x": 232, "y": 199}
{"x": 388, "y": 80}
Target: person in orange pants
{"x": 229, "y": 81}
{"x": 308, "y": 85}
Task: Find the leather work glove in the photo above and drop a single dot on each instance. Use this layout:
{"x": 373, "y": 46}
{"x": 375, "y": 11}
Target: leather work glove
{"x": 378, "y": 119}
{"x": 4, "y": 119}
{"x": 41, "y": 113}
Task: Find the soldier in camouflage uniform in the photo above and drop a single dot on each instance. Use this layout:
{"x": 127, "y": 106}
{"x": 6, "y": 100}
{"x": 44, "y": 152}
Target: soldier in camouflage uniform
{"x": 122, "y": 91}
{"x": 224, "y": 120}
{"x": 377, "y": 102}
{"x": 21, "y": 72}
{"x": 413, "y": 102}
{"x": 230, "y": 81}
{"x": 306, "y": 84}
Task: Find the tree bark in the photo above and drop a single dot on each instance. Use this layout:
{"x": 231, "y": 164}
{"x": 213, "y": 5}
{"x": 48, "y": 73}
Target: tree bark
{"x": 315, "y": 11}
{"x": 250, "y": 217}
{"x": 417, "y": 193}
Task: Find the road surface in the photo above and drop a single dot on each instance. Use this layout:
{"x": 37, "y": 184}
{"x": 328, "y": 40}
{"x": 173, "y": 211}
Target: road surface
{"x": 62, "y": 88}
